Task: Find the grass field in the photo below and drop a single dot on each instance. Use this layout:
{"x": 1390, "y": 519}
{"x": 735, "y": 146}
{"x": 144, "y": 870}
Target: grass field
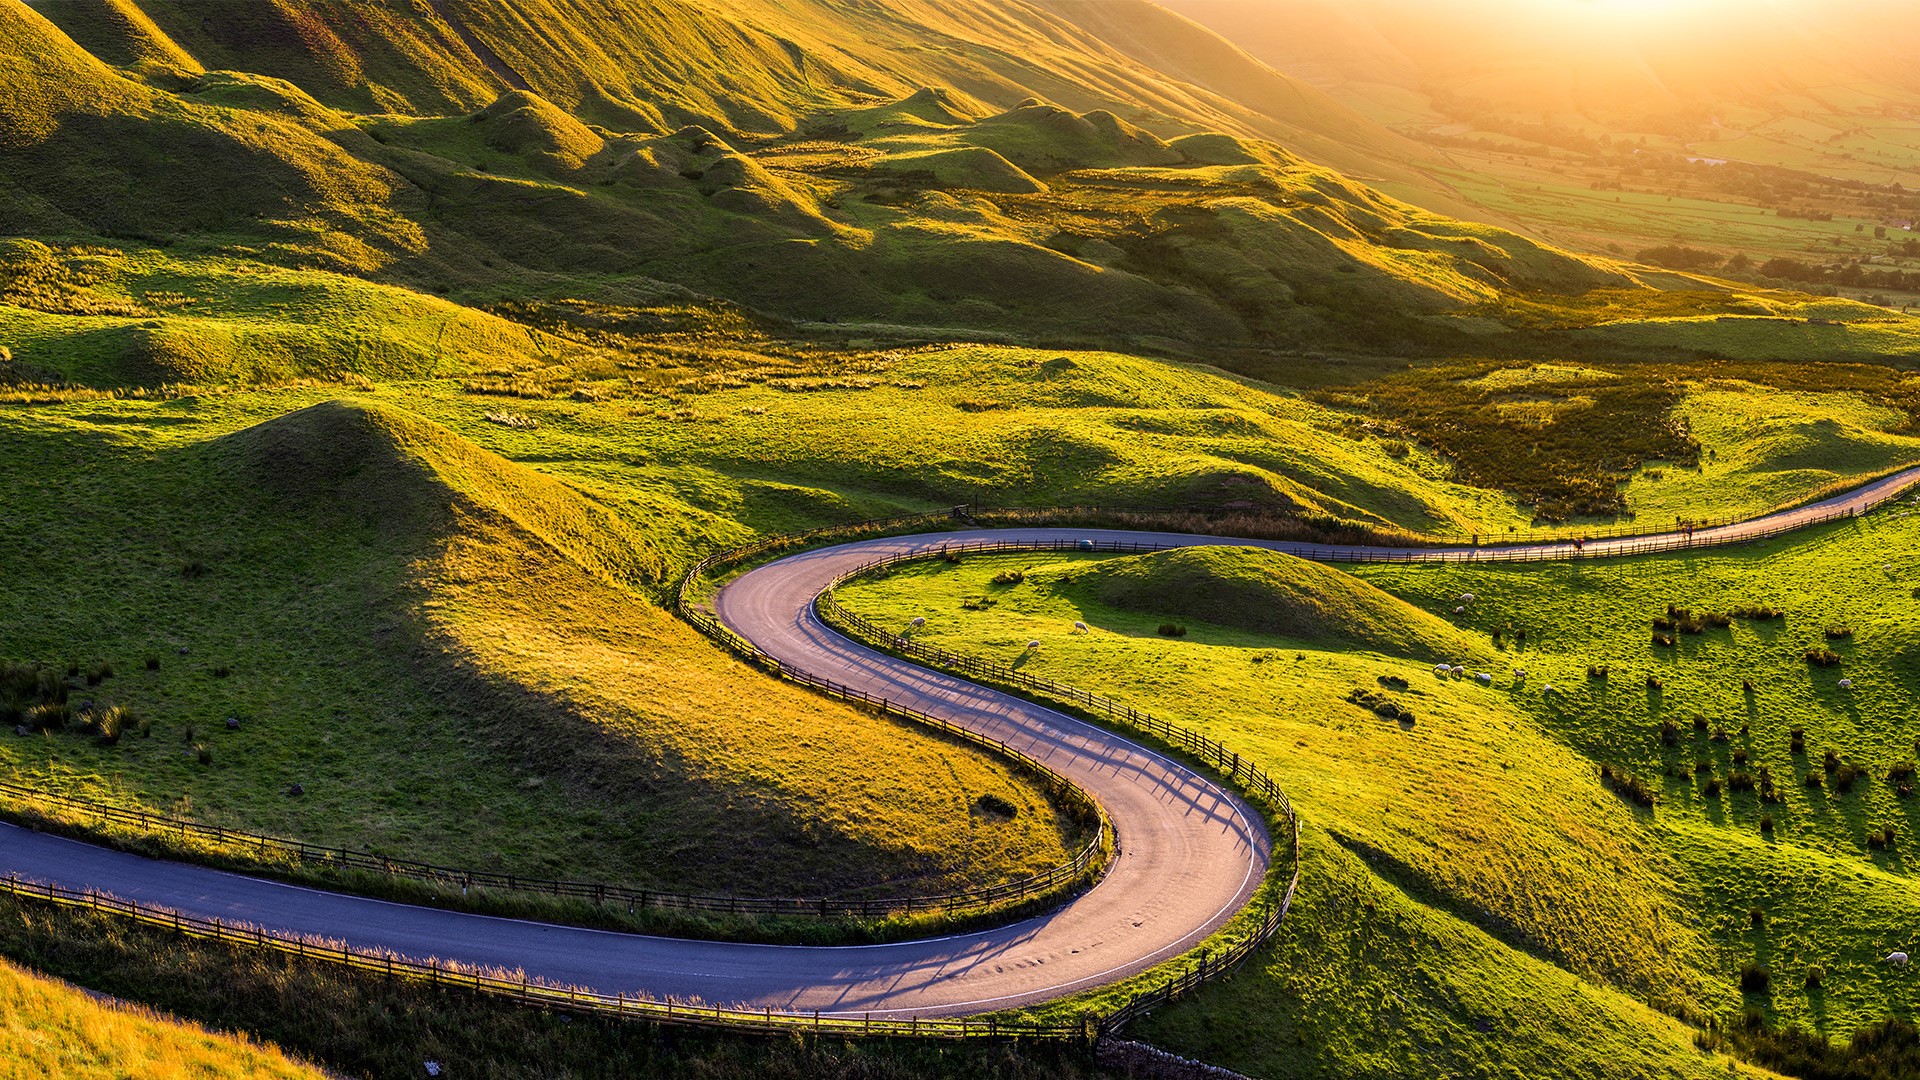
{"x": 52, "y": 1029}
{"x": 1470, "y": 871}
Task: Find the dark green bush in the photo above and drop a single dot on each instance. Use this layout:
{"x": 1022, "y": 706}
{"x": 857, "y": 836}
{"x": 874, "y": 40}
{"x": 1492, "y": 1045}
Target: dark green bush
{"x": 1168, "y": 629}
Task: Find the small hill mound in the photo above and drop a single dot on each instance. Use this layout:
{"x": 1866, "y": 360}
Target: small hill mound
{"x": 118, "y": 32}
{"x": 1046, "y": 138}
{"x": 927, "y": 107}
{"x": 725, "y": 177}
{"x": 1214, "y": 148}
{"x": 1268, "y": 592}
{"x": 410, "y": 475}
{"x": 528, "y": 125}
{"x": 974, "y": 168}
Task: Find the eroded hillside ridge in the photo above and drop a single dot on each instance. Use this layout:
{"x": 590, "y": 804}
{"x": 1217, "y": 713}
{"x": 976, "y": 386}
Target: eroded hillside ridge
{"x": 471, "y": 145}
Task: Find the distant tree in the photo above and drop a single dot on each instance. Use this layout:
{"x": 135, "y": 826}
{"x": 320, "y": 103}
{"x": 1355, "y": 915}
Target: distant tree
{"x": 1740, "y": 263}
{"x": 1678, "y": 257}
{"x": 1879, "y": 232}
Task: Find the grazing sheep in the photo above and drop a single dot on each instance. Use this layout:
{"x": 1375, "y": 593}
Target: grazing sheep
{"x": 1443, "y": 670}
{"x": 918, "y": 622}
{"x": 1519, "y": 674}
{"x": 1897, "y": 959}
{"x": 1846, "y": 684}
{"x": 1080, "y": 627}
{"x": 1483, "y": 679}
{"x": 1459, "y": 672}
{"x": 1547, "y": 689}
{"x": 1460, "y": 609}
{"x": 1466, "y": 598}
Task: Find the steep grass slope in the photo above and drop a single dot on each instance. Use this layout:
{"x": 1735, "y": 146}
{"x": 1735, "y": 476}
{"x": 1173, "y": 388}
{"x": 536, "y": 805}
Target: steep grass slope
{"x": 52, "y": 1029}
{"x": 454, "y": 657}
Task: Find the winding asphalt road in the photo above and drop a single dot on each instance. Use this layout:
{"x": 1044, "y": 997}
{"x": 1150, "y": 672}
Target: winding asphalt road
{"x": 1191, "y": 853}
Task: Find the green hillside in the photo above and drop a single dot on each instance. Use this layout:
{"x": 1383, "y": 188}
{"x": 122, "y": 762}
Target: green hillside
{"x": 893, "y": 190}
{"x": 375, "y": 599}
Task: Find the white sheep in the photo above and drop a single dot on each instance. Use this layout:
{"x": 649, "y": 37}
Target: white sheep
{"x": 1897, "y": 959}
{"x": 1483, "y": 679}
{"x": 1031, "y": 645}
{"x": 918, "y": 621}
{"x": 1547, "y": 689}
{"x": 1079, "y": 627}
{"x": 1460, "y": 609}
{"x": 1846, "y": 684}
{"x": 1459, "y": 672}
{"x": 1519, "y": 674}
{"x": 1443, "y": 670}
{"x": 1466, "y": 597}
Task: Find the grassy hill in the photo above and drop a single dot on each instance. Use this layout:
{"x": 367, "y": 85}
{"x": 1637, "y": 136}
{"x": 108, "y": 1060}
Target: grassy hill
{"x": 1470, "y": 873}
{"x": 52, "y": 1029}
{"x": 1269, "y": 593}
{"x": 455, "y": 658}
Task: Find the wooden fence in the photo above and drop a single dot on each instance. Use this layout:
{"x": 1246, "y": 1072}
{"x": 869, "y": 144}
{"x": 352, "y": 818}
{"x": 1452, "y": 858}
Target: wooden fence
{"x": 539, "y": 994}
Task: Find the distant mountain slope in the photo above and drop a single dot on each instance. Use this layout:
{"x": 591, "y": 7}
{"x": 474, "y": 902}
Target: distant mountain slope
{"x": 742, "y": 66}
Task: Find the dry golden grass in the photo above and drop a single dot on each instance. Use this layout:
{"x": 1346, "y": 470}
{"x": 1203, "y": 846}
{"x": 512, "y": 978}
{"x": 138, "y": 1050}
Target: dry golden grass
{"x": 50, "y": 1029}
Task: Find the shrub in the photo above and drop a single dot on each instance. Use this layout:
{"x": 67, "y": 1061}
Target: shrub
{"x": 1596, "y": 672}
{"x": 1717, "y": 621}
{"x": 1664, "y": 640}
{"x": 222, "y": 671}
{"x": 1756, "y": 918}
{"x": 99, "y": 673}
{"x": 1900, "y": 770}
{"x": 1820, "y": 656}
{"x": 1753, "y": 979}
{"x": 193, "y": 570}
{"x": 109, "y": 723}
{"x": 1669, "y": 733}
{"x": 1767, "y": 792}
{"x": 1759, "y": 612}
{"x": 1740, "y": 781}
{"x": 1815, "y": 976}
{"x": 1845, "y": 776}
{"x": 1766, "y": 823}
{"x": 1815, "y": 780}
{"x": 1702, "y": 767}
{"x": 950, "y": 556}
{"x": 1168, "y": 629}
{"x": 1797, "y": 740}
{"x": 1628, "y": 786}
{"x": 1662, "y": 624}
{"x": 153, "y": 663}
{"x": 1393, "y": 682}
{"x": 995, "y": 806}
{"x": 1653, "y": 681}
{"x": 1719, "y": 735}
{"x": 1712, "y": 790}
{"x": 46, "y": 716}
{"x": 1830, "y": 761}
{"x": 1739, "y": 757}
{"x": 1699, "y": 722}
{"x": 1381, "y": 705}
{"x": 203, "y": 753}
{"x": 1839, "y": 633}
{"x": 1009, "y": 577}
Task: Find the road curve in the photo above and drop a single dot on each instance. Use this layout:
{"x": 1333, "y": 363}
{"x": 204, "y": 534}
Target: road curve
{"x": 1191, "y": 853}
